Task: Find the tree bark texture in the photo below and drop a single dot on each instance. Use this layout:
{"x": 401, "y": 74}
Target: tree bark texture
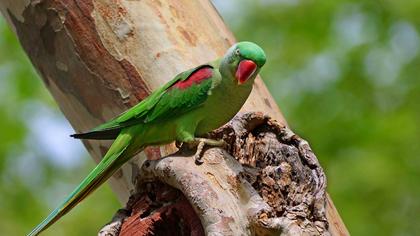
{"x": 100, "y": 57}
{"x": 267, "y": 181}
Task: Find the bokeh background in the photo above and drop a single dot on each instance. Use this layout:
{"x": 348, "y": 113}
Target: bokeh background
{"x": 345, "y": 74}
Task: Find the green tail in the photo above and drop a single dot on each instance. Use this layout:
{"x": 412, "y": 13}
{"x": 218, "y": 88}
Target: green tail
{"x": 116, "y": 156}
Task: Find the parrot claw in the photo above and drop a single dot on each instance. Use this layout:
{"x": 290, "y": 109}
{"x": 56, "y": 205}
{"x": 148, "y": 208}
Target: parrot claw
{"x": 201, "y": 142}
{"x": 197, "y": 156}
{"x": 178, "y": 144}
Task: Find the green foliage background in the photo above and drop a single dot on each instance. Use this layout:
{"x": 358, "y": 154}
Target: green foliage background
{"x": 345, "y": 74}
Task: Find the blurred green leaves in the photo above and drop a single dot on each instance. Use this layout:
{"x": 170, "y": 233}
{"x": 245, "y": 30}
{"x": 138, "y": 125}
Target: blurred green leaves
{"x": 346, "y": 75}
{"x": 34, "y": 176}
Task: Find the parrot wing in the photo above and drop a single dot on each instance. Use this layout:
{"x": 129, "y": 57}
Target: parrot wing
{"x": 187, "y": 91}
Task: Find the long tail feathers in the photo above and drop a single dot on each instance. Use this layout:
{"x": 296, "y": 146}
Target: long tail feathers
{"x": 99, "y": 134}
{"x": 113, "y": 159}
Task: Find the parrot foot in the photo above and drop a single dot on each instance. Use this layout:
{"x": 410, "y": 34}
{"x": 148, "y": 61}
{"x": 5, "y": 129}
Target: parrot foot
{"x": 197, "y": 156}
{"x": 201, "y": 142}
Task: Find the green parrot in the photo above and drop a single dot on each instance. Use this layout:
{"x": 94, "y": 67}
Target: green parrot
{"x": 192, "y": 104}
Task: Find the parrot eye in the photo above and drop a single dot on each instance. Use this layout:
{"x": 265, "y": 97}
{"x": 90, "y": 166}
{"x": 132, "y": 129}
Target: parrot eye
{"x": 237, "y": 52}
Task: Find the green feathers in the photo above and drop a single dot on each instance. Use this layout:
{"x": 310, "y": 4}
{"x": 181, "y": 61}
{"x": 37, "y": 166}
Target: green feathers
{"x": 171, "y": 100}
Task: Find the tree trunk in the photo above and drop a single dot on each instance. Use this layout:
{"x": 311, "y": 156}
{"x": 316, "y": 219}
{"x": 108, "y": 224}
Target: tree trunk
{"x": 98, "y": 58}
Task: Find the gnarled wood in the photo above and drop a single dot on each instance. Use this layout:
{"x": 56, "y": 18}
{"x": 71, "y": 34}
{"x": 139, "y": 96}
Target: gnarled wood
{"x": 266, "y": 182}
{"x": 100, "y": 57}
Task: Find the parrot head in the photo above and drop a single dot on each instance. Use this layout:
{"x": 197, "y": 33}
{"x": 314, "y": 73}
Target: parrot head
{"x": 244, "y": 60}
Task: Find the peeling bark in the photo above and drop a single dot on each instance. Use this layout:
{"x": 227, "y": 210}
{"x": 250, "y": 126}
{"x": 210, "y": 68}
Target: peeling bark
{"x": 100, "y": 57}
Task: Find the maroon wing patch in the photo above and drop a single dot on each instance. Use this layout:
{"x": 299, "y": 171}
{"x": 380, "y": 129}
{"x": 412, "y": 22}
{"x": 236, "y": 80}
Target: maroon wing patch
{"x": 196, "y": 77}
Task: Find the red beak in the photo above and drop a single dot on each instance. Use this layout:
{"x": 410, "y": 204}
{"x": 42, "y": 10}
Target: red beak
{"x": 246, "y": 69}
